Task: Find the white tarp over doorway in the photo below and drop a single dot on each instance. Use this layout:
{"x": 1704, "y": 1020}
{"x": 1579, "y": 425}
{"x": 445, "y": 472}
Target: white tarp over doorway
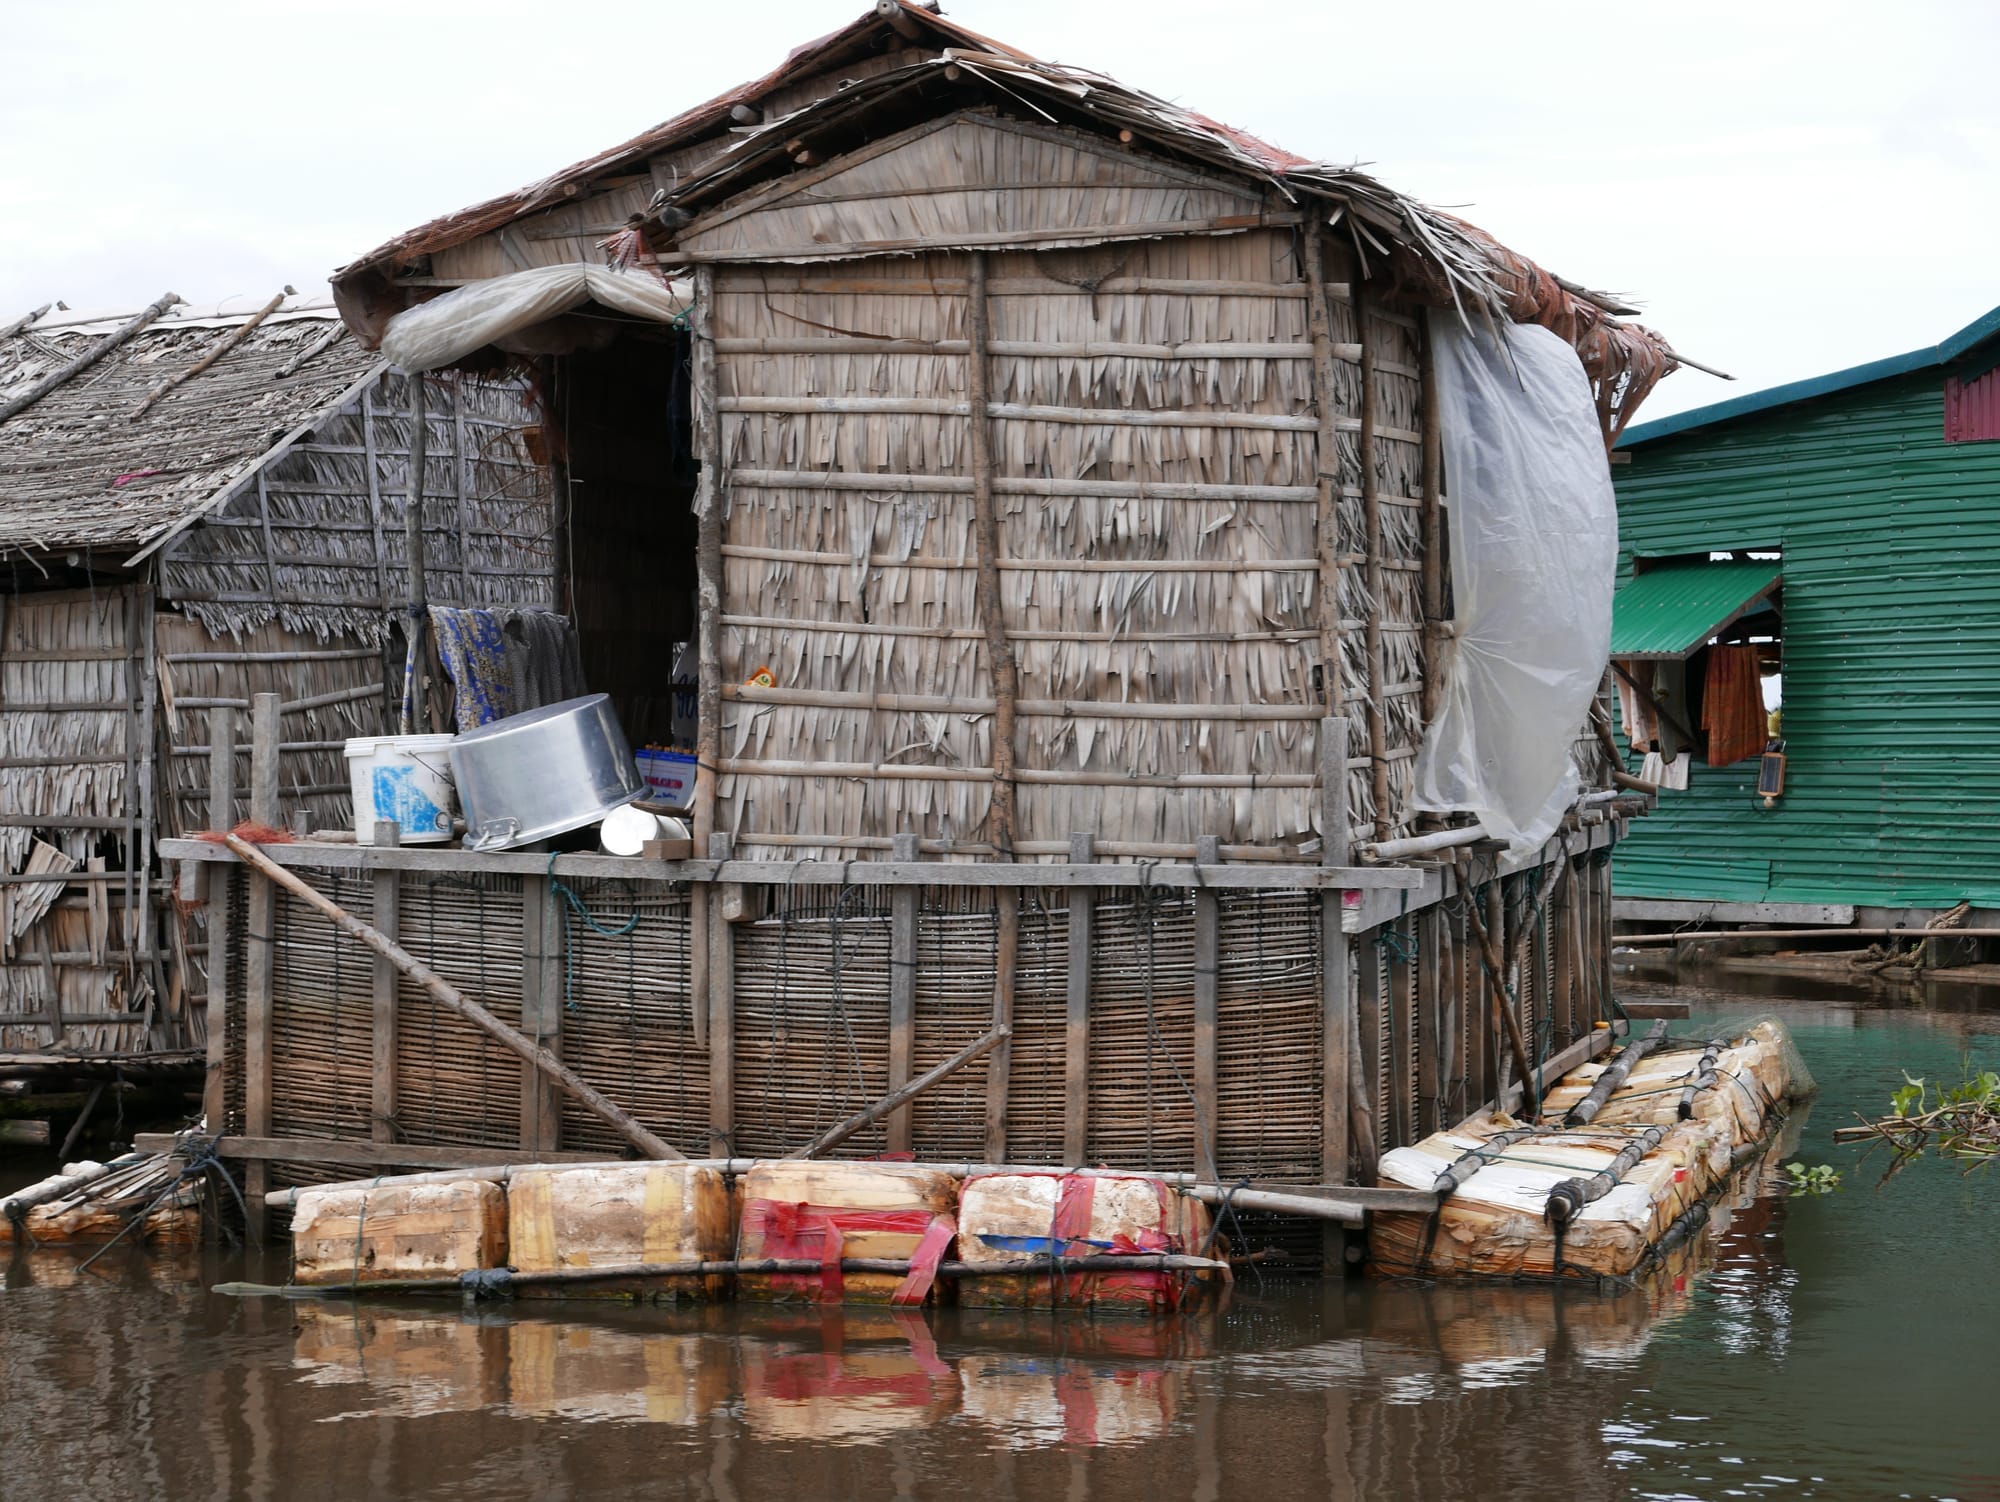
{"x": 451, "y": 327}
{"x": 1534, "y": 553}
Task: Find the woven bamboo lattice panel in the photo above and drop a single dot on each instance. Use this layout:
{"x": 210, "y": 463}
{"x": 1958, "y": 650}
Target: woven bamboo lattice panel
{"x": 812, "y": 1018}
{"x": 627, "y": 1017}
{"x": 1158, "y": 547}
{"x": 454, "y": 1084}
{"x": 322, "y": 1009}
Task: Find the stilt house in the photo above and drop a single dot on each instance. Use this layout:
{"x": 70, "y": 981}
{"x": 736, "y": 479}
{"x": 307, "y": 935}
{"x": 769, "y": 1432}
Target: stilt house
{"x": 1067, "y": 546}
{"x": 197, "y": 505}
{"x": 1836, "y": 533}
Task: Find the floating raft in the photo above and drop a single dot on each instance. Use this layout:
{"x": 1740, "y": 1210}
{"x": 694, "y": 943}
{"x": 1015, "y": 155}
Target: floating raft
{"x": 1619, "y": 1165}
{"x": 810, "y": 1231}
{"x": 141, "y": 1198}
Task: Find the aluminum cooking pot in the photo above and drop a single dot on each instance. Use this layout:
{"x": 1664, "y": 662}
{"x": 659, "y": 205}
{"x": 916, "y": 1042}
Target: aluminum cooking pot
{"x": 543, "y": 773}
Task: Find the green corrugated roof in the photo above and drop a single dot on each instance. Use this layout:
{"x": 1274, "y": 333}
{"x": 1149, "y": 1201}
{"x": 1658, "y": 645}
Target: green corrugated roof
{"x": 1672, "y": 608}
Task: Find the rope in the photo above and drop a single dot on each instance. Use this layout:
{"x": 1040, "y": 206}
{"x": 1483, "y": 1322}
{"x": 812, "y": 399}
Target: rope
{"x": 573, "y": 907}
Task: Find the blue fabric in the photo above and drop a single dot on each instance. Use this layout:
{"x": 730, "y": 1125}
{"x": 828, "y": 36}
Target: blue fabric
{"x": 474, "y": 653}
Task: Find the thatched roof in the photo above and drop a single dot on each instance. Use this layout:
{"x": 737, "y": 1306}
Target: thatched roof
{"x": 902, "y": 62}
{"x": 82, "y": 467}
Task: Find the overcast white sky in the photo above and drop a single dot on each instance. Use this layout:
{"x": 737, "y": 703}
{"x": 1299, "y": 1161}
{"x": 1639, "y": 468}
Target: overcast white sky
{"x": 1787, "y": 188}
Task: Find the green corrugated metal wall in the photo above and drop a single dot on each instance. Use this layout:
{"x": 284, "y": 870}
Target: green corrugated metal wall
{"x": 1891, "y": 543}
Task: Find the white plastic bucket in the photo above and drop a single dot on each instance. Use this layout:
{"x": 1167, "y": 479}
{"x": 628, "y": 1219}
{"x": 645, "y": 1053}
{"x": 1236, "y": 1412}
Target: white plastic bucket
{"x": 406, "y": 778}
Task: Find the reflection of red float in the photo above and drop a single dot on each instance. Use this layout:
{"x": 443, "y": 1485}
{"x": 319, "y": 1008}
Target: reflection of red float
{"x": 868, "y": 1379}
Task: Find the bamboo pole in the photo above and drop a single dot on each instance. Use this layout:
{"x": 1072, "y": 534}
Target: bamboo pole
{"x": 1076, "y": 1009}
{"x": 236, "y": 337}
{"x": 153, "y": 311}
{"x": 386, "y": 910}
{"x": 1585, "y": 1111}
{"x": 1327, "y": 491}
{"x": 902, "y": 993}
{"x": 1207, "y": 986}
{"x": 1006, "y": 692}
{"x": 896, "y": 1099}
{"x": 1496, "y": 990}
{"x": 1371, "y": 521}
{"x": 1339, "y": 1024}
{"x": 708, "y": 720}
{"x": 260, "y": 919}
{"x": 15, "y": 327}
{"x": 456, "y": 1002}
{"x": 1431, "y": 527}
{"x": 418, "y": 623}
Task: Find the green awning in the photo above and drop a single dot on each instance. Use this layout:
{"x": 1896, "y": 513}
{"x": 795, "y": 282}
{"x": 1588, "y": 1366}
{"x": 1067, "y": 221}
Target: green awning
{"x": 1671, "y": 609}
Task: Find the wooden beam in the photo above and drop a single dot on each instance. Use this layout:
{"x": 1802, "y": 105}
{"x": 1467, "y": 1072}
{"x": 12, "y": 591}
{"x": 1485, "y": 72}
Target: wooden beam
{"x": 1207, "y": 978}
{"x": 416, "y": 623}
{"x": 261, "y": 1150}
{"x": 385, "y": 912}
{"x": 221, "y": 879}
{"x": 1431, "y": 526}
{"x": 1337, "y": 1015}
{"x": 1320, "y": 326}
{"x": 1371, "y": 521}
{"x": 1076, "y": 1019}
{"x": 902, "y": 994}
{"x": 259, "y": 955}
{"x": 708, "y": 507}
{"x": 901, "y": 1097}
{"x": 721, "y": 944}
{"x": 541, "y": 1009}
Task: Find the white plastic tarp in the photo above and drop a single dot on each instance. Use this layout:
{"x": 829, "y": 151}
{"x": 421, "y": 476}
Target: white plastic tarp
{"x": 451, "y": 327}
{"x": 1534, "y": 552}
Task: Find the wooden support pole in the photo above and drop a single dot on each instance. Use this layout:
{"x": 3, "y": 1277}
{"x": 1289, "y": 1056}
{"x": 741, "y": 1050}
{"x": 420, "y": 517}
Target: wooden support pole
{"x": 1338, "y": 1025}
{"x": 221, "y": 881}
{"x": 1319, "y": 322}
{"x": 1006, "y": 694}
{"x": 385, "y": 911}
{"x": 902, "y": 994}
{"x": 1430, "y": 1022}
{"x": 456, "y": 1002}
{"x": 153, "y": 311}
{"x": 1076, "y": 1019}
{"x": 1371, "y": 521}
{"x": 708, "y": 506}
{"x": 899, "y": 1099}
{"x": 417, "y": 622}
{"x": 9, "y": 330}
{"x": 259, "y": 956}
{"x": 1431, "y": 525}
{"x": 1207, "y": 986}
{"x": 721, "y": 945}
{"x": 541, "y": 1010}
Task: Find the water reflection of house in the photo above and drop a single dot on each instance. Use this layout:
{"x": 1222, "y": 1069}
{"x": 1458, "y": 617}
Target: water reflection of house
{"x": 1838, "y": 533}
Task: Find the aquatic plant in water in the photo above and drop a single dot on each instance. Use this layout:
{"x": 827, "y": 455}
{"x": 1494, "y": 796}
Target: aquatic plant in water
{"x": 1821, "y": 1178}
{"x": 1959, "y": 1121}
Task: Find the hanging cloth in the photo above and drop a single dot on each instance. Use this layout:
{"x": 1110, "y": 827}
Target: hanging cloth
{"x": 1642, "y": 732}
{"x": 1732, "y": 705}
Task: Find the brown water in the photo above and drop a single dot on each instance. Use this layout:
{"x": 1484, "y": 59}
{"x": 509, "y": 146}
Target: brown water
{"x": 1845, "y": 1346}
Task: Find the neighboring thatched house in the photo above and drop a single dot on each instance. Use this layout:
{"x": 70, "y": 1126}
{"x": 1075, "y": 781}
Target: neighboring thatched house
{"x": 196, "y": 505}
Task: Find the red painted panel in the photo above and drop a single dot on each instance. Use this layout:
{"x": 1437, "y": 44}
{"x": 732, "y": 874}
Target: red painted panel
{"x": 1972, "y": 408}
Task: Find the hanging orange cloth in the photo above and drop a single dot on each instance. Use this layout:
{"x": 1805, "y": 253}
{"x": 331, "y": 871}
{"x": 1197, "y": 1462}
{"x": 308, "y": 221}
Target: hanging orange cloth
{"x": 1732, "y": 705}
